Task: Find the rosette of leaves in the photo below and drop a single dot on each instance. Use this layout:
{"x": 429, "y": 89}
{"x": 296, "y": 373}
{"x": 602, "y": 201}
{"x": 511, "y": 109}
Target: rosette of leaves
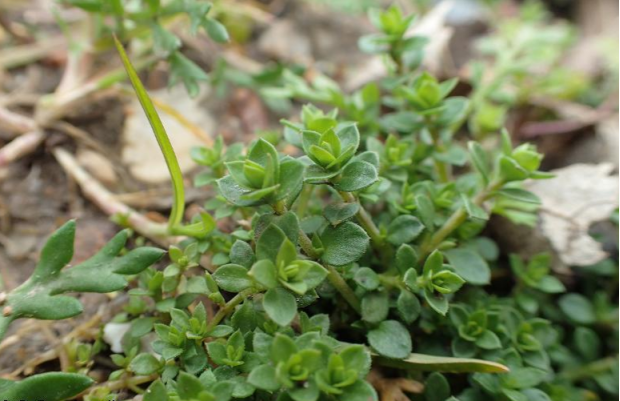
{"x": 306, "y": 368}
{"x": 262, "y": 178}
{"x": 332, "y": 153}
{"x": 475, "y": 330}
{"x": 214, "y": 158}
{"x": 533, "y": 277}
{"x": 436, "y": 281}
{"x": 405, "y": 52}
{"x": 183, "y": 337}
{"x": 520, "y": 163}
{"x": 288, "y": 271}
{"x": 426, "y": 95}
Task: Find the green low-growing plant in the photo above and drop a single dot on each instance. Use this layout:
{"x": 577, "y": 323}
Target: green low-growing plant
{"x": 347, "y": 248}
{"x": 42, "y": 297}
{"x": 149, "y": 25}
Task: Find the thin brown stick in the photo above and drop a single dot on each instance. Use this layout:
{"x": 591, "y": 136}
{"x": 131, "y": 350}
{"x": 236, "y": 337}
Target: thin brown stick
{"x": 106, "y": 201}
{"x": 15, "y": 123}
{"x": 20, "y": 146}
{"x": 18, "y": 56}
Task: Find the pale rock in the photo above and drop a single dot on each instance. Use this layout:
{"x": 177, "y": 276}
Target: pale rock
{"x": 141, "y": 152}
{"x": 579, "y": 196}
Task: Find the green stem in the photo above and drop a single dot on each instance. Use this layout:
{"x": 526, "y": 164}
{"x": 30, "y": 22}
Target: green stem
{"x": 123, "y": 383}
{"x": 444, "y": 170}
{"x": 589, "y": 370}
{"x": 483, "y": 90}
{"x": 334, "y": 276}
{"x": 5, "y": 321}
{"x": 279, "y": 207}
{"x": 455, "y": 221}
{"x": 343, "y": 288}
{"x": 306, "y": 244}
{"x": 229, "y": 307}
{"x": 304, "y": 198}
{"x": 391, "y": 281}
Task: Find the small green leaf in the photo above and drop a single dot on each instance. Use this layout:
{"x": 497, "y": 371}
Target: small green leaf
{"x": 488, "y": 340}
{"x": 367, "y": 278}
{"x": 282, "y": 348}
{"x": 510, "y": 170}
{"x": 356, "y": 176}
{"x": 469, "y": 265}
{"x": 437, "y": 301}
{"x": 425, "y": 211}
{"x": 57, "y": 252}
{"x": 375, "y": 306}
{"x": 242, "y": 254}
{"x": 474, "y": 211}
{"x": 216, "y": 30}
{"x": 436, "y": 387}
{"x": 358, "y": 358}
{"x": 185, "y": 70}
{"x": 164, "y": 41}
{"x": 156, "y": 392}
{"x": 479, "y": 159}
{"x": 188, "y": 386}
{"x": 280, "y": 306}
{"x": 578, "y": 308}
{"x": 406, "y": 258}
{"x": 233, "y": 278}
{"x": 264, "y": 377}
{"x": 520, "y": 195}
{"x": 361, "y": 390}
{"x": 344, "y": 244}
{"x": 269, "y": 242}
{"x": 404, "y": 229}
{"x": 144, "y": 364}
{"x": 336, "y": 213}
{"x": 390, "y": 339}
{"x": 408, "y": 306}
{"x": 265, "y": 273}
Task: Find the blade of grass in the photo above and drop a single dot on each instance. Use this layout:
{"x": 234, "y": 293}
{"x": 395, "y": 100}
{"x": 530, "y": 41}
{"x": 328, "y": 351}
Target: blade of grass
{"x": 430, "y": 363}
{"x": 178, "y": 206}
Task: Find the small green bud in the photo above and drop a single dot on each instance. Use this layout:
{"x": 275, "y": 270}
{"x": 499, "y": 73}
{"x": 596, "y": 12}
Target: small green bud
{"x": 446, "y": 282}
{"x": 527, "y": 157}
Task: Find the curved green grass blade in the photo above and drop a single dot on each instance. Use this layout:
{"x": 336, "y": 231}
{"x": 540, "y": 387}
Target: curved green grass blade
{"x": 430, "y": 363}
{"x": 178, "y": 206}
